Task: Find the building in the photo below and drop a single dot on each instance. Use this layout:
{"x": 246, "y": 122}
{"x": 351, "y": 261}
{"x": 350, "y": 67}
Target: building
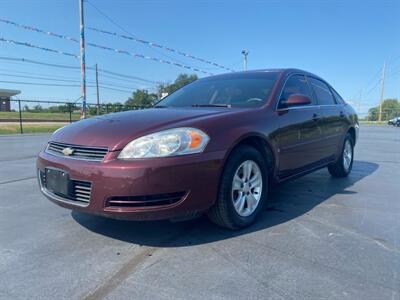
{"x": 5, "y": 95}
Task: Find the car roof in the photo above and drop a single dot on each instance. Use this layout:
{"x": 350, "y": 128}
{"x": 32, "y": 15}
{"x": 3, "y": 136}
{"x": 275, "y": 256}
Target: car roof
{"x": 282, "y": 71}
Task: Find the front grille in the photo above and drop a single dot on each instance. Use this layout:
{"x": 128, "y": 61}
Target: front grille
{"x": 42, "y": 178}
{"x": 77, "y": 152}
{"x": 145, "y": 201}
{"x": 80, "y": 191}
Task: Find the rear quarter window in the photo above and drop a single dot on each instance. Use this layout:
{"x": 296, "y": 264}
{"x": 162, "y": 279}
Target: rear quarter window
{"x": 322, "y": 92}
{"x": 338, "y": 98}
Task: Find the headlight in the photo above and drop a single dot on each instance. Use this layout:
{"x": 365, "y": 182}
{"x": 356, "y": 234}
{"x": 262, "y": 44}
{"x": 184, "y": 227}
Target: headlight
{"x": 178, "y": 141}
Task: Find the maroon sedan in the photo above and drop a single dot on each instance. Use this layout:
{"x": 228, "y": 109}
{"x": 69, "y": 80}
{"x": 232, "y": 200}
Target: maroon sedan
{"x": 216, "y": 145}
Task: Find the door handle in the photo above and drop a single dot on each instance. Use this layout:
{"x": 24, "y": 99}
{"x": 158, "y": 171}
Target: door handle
{"x": 315, "y": 117}
{"x": 342, "y": 115}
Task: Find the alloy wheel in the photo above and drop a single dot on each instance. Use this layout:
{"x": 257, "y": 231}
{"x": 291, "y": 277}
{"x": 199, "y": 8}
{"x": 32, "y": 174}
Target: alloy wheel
{"x": 247, "y": 188}
{"x": 347, "y": 155}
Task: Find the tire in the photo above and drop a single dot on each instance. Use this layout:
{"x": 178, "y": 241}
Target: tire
{"x": 235, "y": 187}
{"x": 344, "y": 164}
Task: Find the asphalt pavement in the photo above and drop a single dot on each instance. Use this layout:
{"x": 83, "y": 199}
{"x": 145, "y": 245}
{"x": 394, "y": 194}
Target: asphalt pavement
{"x": 319, "y": 238}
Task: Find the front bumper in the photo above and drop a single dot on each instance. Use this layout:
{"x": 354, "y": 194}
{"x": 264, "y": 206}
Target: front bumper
{"x": 195, "y": 177}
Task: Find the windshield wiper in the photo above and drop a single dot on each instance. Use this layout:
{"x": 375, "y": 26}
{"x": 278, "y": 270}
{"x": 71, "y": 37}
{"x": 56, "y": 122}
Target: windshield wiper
{"x": 212, "y": 105}
{"x": 160, "y": 106}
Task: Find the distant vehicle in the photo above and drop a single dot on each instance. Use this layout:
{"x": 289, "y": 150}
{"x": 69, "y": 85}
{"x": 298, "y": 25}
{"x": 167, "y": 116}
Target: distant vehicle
{"x": 394, "y": 122}
{"x": 215, "y": 146}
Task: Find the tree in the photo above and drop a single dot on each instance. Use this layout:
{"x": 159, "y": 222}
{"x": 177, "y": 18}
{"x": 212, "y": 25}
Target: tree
{"x": 180, "y": 81}
{"x": 59, "y": 108}
{"x": 141, "y": 98}
{"x": 390, "y": 110}
{"x": 37, "y": 108}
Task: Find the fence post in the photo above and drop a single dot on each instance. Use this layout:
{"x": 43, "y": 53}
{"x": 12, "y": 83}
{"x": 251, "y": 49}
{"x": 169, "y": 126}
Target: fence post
{"x": 20, "y": 117}
{"x": 70, "y": 112}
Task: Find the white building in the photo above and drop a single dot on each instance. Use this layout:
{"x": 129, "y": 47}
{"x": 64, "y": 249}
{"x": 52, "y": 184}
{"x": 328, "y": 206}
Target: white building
{"x": 5, "y": 96}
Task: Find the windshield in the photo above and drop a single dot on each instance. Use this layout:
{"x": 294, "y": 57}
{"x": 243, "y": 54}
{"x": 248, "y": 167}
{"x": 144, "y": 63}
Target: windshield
{"x": 236, "y": 90}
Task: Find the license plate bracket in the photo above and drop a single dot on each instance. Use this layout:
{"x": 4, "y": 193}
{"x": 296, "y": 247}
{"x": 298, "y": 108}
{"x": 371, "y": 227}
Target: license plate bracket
{"x": 57, "y": 182}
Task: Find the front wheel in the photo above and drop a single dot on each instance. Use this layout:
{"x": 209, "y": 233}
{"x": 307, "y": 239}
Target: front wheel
{"x": 344, "y": 164}
{"x": 242, "y": 191}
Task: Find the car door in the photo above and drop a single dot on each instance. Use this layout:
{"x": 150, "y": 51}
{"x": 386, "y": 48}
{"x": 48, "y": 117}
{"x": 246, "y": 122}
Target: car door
{"x": 299, "y": 133}
{"x": 333, "y": 121}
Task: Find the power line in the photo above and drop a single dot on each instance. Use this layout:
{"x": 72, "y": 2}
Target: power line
{"x": 126, "y": 31}
{"x": 377, "y": 79}
{"x": 38, "y": 62}
{"x": 38, "y": 74}
{"x": 137, "y": 55}
{"x": 39, "y": 77}
{"x": 62, "y": 85}
{"x": 112, "y": 84}
{"x": 126, "y": 76}
{"x": 373, "y": 88}
{"x": 124, "y": 79}
{"x": 25, "y": 60}
{"x": 55, "y": 77}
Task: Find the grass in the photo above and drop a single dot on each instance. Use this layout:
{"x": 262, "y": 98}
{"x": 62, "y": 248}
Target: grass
{"x": 46, "y": 128}
{"x": 364, "y": 122}
{"x": 38, "y": 116}
{"x": 28, "y": 128}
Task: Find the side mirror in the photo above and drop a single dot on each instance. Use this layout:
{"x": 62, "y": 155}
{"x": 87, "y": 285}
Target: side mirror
{"x": 297, "y": 100}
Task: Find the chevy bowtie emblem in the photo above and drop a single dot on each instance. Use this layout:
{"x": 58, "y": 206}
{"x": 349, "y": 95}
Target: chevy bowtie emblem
{"x": 68, "y": 151}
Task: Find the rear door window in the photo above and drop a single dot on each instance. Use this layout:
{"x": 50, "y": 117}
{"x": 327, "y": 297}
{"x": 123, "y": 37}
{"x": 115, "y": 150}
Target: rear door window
{"x": 322, "y": 92}
{"x": 296, "y": 84}
{"x": 338, "y": 98}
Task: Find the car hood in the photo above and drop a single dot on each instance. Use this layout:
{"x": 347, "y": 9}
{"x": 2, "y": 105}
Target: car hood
{"x": 117, "y": 129}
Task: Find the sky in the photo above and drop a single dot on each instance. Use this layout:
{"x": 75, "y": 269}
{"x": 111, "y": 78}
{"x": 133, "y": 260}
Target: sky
{"x": 345, "y": 42}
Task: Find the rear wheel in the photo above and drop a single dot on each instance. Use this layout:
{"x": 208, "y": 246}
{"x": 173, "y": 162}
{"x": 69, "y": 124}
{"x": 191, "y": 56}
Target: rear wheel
{"x": 242, "y": 191}
{"x": 344, "y": 164}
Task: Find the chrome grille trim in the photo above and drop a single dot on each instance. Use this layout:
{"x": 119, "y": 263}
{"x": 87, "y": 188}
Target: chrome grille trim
{"x": 79, "y": 152}
{"x": 145, "y": 201}
{"x": 82, "y": 190}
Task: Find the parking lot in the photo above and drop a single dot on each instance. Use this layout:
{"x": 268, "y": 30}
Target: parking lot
{"x": 320, "y": 237}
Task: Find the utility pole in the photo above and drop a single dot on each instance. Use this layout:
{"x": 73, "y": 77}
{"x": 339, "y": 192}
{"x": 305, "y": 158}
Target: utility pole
{"x": 382, "y": 91}
{"x": 97, "y": 89}
{"x": 83, "y": 63}
{"x": 245, "y": 53}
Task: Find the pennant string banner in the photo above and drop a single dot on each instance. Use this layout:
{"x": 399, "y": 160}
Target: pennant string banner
{"x": 163, "y": 61}
{"x": 105, "y": 48}
{"x": 161, "y": 47}
{"x": 37, "y": 47}
{"x": 40, "y": 30}
{"x": 151, "y": 44}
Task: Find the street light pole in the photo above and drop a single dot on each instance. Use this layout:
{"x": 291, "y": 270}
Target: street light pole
{"x": 245, "y": 53}
{"x": 97, "y": 93}
{"x": 382, "y": 92}
{"x": 83, "y": 63}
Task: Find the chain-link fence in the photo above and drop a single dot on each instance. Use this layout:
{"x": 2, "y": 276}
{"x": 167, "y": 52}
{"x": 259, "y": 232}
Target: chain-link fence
{"x": 30, "y": 116}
